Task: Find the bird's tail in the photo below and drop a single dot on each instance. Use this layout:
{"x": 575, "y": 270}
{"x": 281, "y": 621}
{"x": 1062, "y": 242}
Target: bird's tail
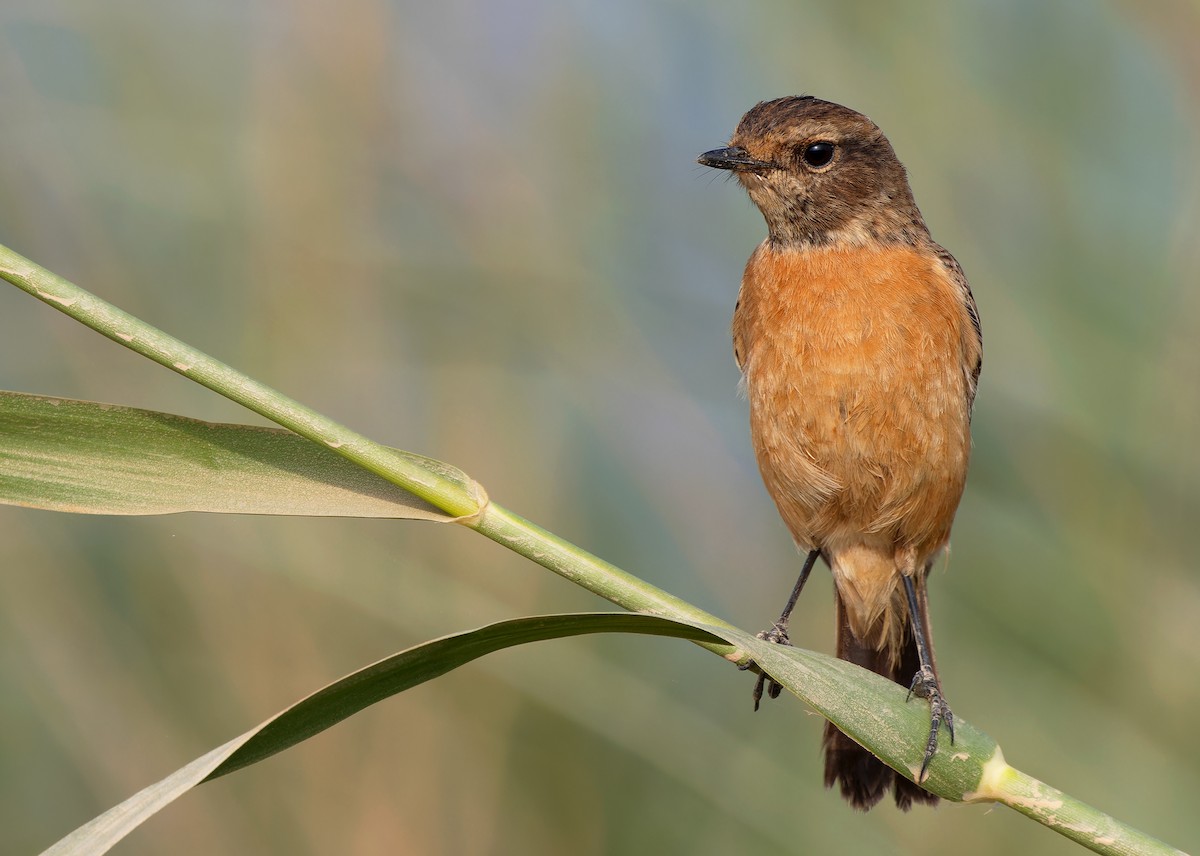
{"x": 863, "y": 778}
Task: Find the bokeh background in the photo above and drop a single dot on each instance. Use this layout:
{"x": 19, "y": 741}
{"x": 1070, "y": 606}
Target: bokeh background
{"x": 475, "y": 230}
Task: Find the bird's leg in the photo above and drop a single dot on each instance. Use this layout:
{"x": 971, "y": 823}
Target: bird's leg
{"x": 778, "y": 632}
{"x": 925, "y": 682}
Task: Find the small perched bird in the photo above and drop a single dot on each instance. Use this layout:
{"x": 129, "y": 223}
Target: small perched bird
{"x": 860, "y": 348}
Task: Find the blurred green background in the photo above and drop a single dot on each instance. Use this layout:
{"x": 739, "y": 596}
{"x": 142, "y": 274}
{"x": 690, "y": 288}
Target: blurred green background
{"x": 475, "y": 230}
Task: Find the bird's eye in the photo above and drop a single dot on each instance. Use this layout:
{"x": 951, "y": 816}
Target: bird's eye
{"x": 818, "y": 154}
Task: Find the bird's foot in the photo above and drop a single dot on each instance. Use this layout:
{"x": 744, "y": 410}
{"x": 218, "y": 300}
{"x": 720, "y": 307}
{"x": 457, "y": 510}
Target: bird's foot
{"x": 778, "y": 635}
{"x": 925, "y": 685}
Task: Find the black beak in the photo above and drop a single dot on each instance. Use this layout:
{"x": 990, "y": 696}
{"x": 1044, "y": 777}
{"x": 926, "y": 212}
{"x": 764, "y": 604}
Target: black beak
{"x": 733, "y": 158}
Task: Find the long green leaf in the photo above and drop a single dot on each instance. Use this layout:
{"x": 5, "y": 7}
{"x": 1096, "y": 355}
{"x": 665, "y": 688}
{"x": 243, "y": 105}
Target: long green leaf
{"x": 80, "y": 456}
{"x": 344, "y": 698}
{"x": 448, "y": 488}
{"x": 869, "y": 708}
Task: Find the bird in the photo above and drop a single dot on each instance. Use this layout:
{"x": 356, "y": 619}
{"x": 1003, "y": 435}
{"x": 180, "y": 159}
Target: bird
{"x": 859, "y": 345}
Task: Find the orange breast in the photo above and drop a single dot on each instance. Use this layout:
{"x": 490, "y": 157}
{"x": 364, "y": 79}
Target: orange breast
{"x": 856, "y": 368}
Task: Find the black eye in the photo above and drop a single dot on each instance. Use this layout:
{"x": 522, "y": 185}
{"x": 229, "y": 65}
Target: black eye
{"x": 818, "y": 155}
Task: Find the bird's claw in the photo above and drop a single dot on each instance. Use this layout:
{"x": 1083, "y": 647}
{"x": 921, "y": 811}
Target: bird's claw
{"x": 925, "y": 685}
{"x": 777, "y": 634}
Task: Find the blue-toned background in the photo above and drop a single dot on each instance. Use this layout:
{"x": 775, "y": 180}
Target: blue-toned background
{"x": 475, "y": 230}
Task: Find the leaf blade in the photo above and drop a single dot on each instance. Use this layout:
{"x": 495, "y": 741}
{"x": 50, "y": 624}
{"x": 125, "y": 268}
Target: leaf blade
{"x": 869, "y": 704}
{"x": 870, "y": 708}
{"x": 85, "y": 457}
{"x": 342, "y": 699}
